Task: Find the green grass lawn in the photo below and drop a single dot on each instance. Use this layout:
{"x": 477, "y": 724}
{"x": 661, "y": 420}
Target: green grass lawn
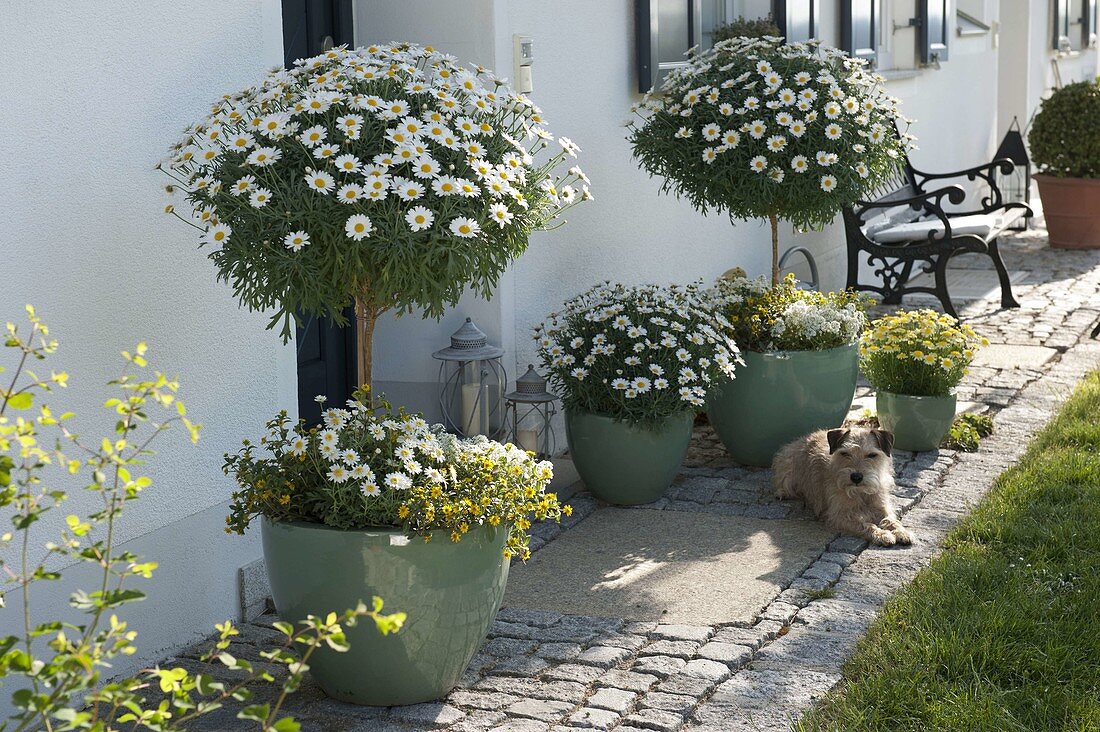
{"x": 1002, "y": 631}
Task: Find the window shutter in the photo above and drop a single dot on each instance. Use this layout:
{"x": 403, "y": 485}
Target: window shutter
{"x": 935, "y": 21}
{"x": 664, "y": 31}
{"x": 797, "y": 19}
{"x": 1060, "y": 16}
{"x": 859, "y": 21}
{"x": 1088, "y": 24}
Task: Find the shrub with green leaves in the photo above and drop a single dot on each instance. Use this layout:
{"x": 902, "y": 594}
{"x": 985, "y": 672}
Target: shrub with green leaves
{"x": 756, "y": 128}
{"x": 743, "y": 27}
{"x": 1063, "y": 138}
{"x": 61, "y": 670}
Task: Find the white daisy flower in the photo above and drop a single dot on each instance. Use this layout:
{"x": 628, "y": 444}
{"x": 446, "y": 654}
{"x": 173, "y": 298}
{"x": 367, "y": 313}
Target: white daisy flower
{"x": 501, "y": 214}
{"x": 800, "y": 164}
{"x": 407, "y": 190}
{"x": 338, "y": 474}
{"x": 464, "y": 227}
{"x": 313, "y": 136}
{"x": 259, "y": 198}
{"x": 710, "y": 154}
{"x": 776, "y": 143}
{"x": 217, "y": 234}
{"x": 419, "y": 218}
{"x": 370, "y": 489}
{"x": 711, "y": 132}
{"x": 758, "y": 164}
{"x": 398, "y": 481}
{"x": 296, "y": 240}
{"x": 349, "y": 456}
{"x": 298, "y": 446}
{"x": 347, "y": 163}
{"x": 261, "y": 157}
{"x": 833, "y": 131}
{"x": 358, "y": 227}
{"x": 350, "y": 193}
{"x": 828, "y": 183}
{"x": 319, "y": 180}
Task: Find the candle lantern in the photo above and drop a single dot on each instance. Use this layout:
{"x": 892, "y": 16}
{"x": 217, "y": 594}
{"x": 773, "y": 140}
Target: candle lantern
{"x": 1015, "y": 186}
{"x": 529, "y": 411}
{"x": 472, "y": 382}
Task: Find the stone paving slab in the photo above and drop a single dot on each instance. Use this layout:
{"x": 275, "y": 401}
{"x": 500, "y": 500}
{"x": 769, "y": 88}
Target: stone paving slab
{"x": 1013, "y": 356}
{"x": 672, "y": 566}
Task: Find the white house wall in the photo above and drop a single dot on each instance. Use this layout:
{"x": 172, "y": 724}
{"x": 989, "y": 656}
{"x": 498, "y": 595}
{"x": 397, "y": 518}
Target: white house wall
{"x": 93, "y": 93}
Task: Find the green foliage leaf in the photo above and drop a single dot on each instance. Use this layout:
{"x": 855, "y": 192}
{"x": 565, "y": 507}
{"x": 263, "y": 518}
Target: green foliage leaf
{"x": 23, "y": 400}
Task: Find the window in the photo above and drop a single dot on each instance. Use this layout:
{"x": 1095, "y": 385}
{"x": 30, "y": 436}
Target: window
{"x": 859, "y": 21}
{"x": 932, "y": 33}
{"x": 666, "y": 29}
{"x": 1060, "y": 18}
{"x": 797, "y": 19}
{"x": 1088, "y": 24}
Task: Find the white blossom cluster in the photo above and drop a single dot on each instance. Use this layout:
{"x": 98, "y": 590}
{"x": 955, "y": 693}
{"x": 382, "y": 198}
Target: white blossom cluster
{"x": 638, "y": 353}
{"x": 401, "y": 137}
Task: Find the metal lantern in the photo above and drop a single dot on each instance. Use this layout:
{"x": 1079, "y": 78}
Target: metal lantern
{"x": 1016, "y": 186}
{"x": 528, "y": 414}
{"x": 472, "y": 382}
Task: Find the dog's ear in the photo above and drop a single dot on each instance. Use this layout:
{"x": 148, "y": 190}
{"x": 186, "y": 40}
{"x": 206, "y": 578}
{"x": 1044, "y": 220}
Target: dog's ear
{"x": 885, "y": 440}
{"x": 836, "y": 439}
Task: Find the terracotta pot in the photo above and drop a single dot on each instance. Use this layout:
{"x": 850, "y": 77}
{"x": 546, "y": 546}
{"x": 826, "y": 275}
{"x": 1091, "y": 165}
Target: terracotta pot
{"x": 1072, "y": 210}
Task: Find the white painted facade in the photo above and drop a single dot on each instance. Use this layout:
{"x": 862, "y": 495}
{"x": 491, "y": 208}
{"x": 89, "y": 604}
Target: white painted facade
{"x": 584, "y": 79}
{"x": 92, "y": 94}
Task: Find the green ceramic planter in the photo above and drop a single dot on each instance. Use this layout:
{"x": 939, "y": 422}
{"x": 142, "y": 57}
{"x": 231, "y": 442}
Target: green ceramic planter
{"x": 777, "y": 397}
{"x": 627, "y": 465}
{"x": 450, "y": 591}
{"x": 919, "y": 423}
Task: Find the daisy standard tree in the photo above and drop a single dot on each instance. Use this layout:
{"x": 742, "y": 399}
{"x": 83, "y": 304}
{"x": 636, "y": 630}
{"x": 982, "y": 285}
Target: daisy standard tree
{"x": 388, "y": 177}
{"x": 757, "y": 128}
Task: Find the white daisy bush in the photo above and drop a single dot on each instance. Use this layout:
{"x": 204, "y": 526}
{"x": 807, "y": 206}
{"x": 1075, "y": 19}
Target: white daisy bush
{"x": 370, "y": 467}
{"x": 638, "y": 354}
{"x": 758, "y": 128}
{"x": 390, "y": 175}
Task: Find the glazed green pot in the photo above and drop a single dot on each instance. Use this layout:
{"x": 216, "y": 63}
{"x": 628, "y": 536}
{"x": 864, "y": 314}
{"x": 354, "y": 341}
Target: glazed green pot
{"x": 919, "y": 423}
{"x": 777, "y": 397}
{"x": 623, "y": 464}
{"x": 450, "y": 591}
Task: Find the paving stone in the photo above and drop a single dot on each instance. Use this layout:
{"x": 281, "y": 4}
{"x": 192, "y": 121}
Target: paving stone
{"x": 521, "y": 666}
{"x": 707, "y": 669}
{"x": 806, "y": 650}
{"x": 731, "y": 654}
{"x": 698, "y": 633}
{"x": 534, "y": 618}
{"x": 603, "y": 656}
{"x": 660, "y": 666}
{"x": 679, "y": 703}
{"x": 574, "y": 672}
{"x": 541, "y": 709}
{"x": 656, "y": 719}
{"x": 680, "y": 649}
{"x": 508, "y": 647}
{"x": 594, "y": 718}
{"x": 821, "y": 569}
{"x": 478, "y": 721}
{"x": 491, "y": 700}
{"x": 559, "y": 651}
{"x": 782, "y": 612}
{"x": 627, "y": 680}
{"x": 622, "y": 640}
{"x": 522, "y": 725}
{"x": 689, "y": 684}
{"x": 432, "y": 715}
{"x": 617, "y": 700}
{"x": 554, "y": 690}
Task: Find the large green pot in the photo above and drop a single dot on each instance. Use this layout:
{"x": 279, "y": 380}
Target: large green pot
{"x": 918, "y": 422}
{"x": 450, "y": 591}
{"x": 623, "y": 464}
{"x": 777, "y": 397}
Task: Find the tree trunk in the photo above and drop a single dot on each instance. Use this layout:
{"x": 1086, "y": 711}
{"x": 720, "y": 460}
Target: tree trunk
{"x": 366, "y": 316}
{"x": 775, "y": 248}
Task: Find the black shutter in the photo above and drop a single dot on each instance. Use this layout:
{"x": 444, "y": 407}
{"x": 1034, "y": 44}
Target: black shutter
{"x": 859, "y": 21}
{"x": 797, "y": 19}
{"x": 1088, "y": 24}
{"x": 326, "y": 353}
{"x": 1060, "y": 18}
{"x": 934, "y": 30}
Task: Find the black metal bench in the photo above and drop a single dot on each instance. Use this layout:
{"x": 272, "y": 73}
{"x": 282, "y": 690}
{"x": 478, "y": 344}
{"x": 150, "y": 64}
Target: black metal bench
{"x": 907, "y": 204}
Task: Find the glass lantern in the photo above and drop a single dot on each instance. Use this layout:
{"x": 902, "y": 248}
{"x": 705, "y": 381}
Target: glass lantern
{"x": 472, "y": 382}
{"x": 1016, "y": 186}
{"x": 529, "y": 411}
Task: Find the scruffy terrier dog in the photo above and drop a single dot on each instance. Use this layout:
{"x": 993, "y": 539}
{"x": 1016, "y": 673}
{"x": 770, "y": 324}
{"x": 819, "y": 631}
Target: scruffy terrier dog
{"x": 845, "y": 477}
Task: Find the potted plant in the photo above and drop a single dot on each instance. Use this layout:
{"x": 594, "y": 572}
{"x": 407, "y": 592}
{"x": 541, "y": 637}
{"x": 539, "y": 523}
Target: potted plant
{"x": 387, "y": 177}
{"x": 633, "y": 365}
{"x": 915, "y": 359}
{"x": 801, "y": 363}
{"x": 756, "y": 128}
{"x": 1066, "y": 150}
{"x": 381, "y": 503}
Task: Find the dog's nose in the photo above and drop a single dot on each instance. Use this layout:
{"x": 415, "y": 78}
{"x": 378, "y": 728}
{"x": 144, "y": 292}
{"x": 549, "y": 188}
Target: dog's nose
{"x": 857, "y": 477}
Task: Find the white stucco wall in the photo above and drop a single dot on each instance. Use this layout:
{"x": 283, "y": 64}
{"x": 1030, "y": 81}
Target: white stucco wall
{"x": 92, "y": 95}
{"x": 585, "y": 82}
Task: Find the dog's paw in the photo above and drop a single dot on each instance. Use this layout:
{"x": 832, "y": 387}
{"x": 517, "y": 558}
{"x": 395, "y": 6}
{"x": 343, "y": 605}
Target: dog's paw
{"x": 902, "y": 535}
{"x": 882, "y": 538}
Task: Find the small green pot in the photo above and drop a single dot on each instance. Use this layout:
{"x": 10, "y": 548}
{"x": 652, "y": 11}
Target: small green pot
{"x": 623, "y": 464}
{"x": 777, "y": 397}
{"x": 450, "y": 591}
{"x": 919, "y": 423}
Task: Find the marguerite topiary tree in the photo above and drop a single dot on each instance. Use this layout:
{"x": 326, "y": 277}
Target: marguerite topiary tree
{"x": 389, "y": 177}
{"x": 761, "y": 129}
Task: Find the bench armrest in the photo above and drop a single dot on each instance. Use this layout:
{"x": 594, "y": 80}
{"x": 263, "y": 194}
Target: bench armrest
{"x": 928, "y": 201}
{"x": 991, "y": 203}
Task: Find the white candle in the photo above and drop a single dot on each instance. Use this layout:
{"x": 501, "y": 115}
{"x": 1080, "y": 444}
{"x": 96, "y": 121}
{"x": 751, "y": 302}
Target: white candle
{"x": 528, "y": 440}
{"x": 471, "y": 410}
